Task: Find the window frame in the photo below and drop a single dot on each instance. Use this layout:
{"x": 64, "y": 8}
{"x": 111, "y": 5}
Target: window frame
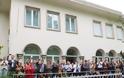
{"x": 101, "y": 29}
{"x": 59, "y": 21}
{"x": 121, "y": 32}
{"x": 76, "y": 26}
{"x": 113, "y": 34}
{"x": 32, "y": 20}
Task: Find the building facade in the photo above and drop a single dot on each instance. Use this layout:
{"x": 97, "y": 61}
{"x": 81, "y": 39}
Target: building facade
{"x": 60, "y": 29}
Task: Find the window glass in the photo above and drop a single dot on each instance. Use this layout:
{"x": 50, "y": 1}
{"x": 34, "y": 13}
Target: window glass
{"x": 109, "y": 31}
{"x": 53, "y": 20}
{"x": 35, "y": 16}
{"x": 71, "y": 24}
{"x": 97, "y": 28}
{"x": 32, "y": 17}
{"x": 28, "y": 17}
{"x": 119, "y": 33}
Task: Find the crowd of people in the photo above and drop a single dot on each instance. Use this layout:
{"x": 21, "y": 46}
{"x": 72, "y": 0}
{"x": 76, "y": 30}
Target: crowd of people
{"x": 38, "y": 69}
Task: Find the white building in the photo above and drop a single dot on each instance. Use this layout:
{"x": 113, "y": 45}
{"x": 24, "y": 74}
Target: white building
{"x": 60, "y": 29}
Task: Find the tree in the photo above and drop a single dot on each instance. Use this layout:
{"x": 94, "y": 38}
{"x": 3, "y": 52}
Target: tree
{"x": 1, "y": 46}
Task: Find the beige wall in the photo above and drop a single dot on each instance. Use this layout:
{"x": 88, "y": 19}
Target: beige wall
{"x": 86, "y": 43}
{"x": 4, "y": 27}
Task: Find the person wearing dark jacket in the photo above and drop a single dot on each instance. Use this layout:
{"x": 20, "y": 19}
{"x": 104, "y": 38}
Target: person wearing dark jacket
{"x": 54, "y": 70}
{"x": 86, "y": 67}
{"x": 41, "y": 68}
{"x": 12, "y": 65}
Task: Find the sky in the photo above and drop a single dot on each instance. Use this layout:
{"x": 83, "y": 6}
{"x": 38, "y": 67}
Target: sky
{"x": 112, "y": 4}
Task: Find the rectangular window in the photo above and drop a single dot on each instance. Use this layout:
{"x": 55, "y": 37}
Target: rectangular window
{"x": 119, "y": 33}
{"x": 109, "y": 31}
{"x": 97, "y": 29}
{"x": 71, "y": 24}
{"x": 53, "y": 22}
{"x": 32, "y": 17}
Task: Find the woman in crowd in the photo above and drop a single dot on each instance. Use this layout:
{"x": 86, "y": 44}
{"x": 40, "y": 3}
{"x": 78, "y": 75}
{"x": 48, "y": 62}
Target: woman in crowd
{"x": 105, "y": 67}
{"x": 60, "y": 70}
{"x": 93, "y": 68}
{"x": 33, "y": 67}
{"x": 48, "y": 69}
{"x": 20, "y": 70}
{"x": 29, "y": 69}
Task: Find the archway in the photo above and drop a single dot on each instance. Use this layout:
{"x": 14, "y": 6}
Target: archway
{"x": 99, "y": 55}
{"x": 72, "y": 54}
{"x": 53, "y": 54}
{"x": 32, "y": 51}
{"x": 112, "y": 55}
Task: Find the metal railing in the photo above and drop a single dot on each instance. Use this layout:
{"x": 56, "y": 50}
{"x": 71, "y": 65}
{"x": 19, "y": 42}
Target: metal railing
{"x": 68, "y": 75}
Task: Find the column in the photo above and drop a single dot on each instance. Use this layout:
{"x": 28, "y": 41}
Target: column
{"x": 63, "y": 59}
{"x": 81, "y": 59}
{"x": 44, "y": 58}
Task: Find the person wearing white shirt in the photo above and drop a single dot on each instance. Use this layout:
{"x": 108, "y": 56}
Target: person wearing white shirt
{"x": 68, "y": 68}
{"x": 76, "y": 69}
{"x": 100, "y": 66}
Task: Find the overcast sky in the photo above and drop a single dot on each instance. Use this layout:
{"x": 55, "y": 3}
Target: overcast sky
{"x": 113, "y": 4}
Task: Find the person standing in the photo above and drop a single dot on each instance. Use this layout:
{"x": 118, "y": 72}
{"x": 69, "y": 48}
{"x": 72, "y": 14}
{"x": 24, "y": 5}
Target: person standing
{"x": 86, "y": 67}
{"x": 4, "y": 67}
{"x": 12, "y": 65}
{"x": 20, "y": 70}
{"x": 0, "y": 68}
{"x": 29, "y": 70}
{"x": 41, "y": 68}
{"x": 68, "y": 68}
{"x": 100, "y": 67}
{"x": 48, "y": 68}
{"x": 76, "y": 69}
{"x": 35, "y": 64}
{"x": 54, "y": 70}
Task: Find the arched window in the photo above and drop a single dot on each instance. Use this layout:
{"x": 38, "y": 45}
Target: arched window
{"x": 112, "y": 55}
{"x": 100, "y": 52}
{"x": 32, "y": 51}
{"x": 72, "y": 54}
{"x": 99, "y": 55}
{"x": 53, "y": 54}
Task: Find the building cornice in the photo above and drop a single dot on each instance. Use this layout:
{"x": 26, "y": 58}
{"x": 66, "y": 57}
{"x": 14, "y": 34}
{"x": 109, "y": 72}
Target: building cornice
{"x": 95, "y": 6}
{"x": 88, "y": 7}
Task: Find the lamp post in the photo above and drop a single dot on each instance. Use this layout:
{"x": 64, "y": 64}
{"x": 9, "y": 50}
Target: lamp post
{"x": 1, "y": 46}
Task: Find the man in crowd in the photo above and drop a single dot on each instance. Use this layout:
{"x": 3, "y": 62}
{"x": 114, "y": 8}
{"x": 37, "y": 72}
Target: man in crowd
{"x": 12, "y": 65}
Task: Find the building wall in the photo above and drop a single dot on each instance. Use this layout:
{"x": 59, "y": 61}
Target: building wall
{"x": 86, "y": 43}
{"x": 4, "y": 27}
